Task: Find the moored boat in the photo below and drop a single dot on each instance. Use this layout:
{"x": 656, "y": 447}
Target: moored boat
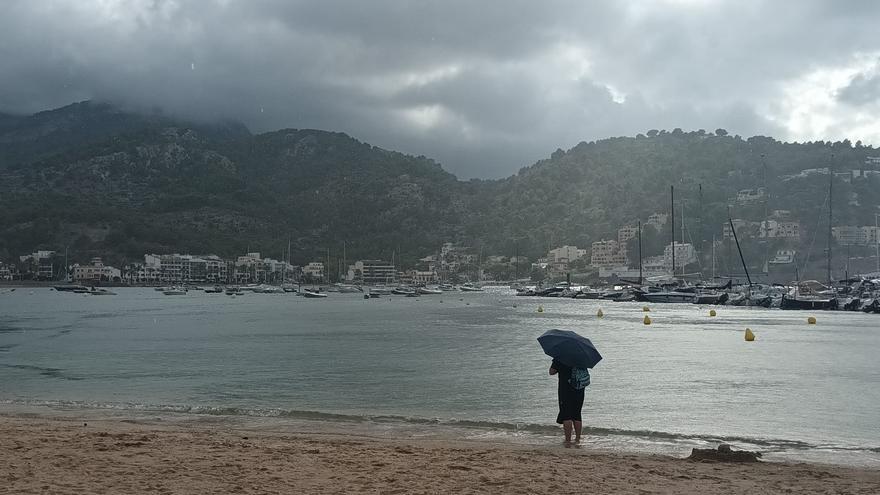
{"x": 313, "y": 294}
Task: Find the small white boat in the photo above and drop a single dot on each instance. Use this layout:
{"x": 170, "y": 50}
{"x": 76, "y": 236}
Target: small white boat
{"x": 471, "y": 288}
{"x": 101, "y": 292}
{"x": 348, "y": 289}
{"x": 429, "y": 291}
{"x": 313, "y": 294}
{"x": 174, "y": 291}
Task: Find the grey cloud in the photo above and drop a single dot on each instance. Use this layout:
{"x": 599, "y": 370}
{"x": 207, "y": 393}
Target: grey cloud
{"x": 862, "y": 89}
{"x": 483, "y": 87}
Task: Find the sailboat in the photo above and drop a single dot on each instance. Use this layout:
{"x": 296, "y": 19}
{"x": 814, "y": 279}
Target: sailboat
{"x": 811, "y": 294}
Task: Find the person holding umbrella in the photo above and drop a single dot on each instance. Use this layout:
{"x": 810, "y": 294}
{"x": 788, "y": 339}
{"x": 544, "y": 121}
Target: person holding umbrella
{"x": 572, "y": 356}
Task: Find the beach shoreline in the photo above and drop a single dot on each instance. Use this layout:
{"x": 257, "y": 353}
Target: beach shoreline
{"x": 80, "y": 452}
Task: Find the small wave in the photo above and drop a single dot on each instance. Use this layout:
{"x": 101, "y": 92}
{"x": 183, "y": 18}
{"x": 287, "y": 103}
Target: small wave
{"x": 532, "y": 428}
{"x": 50, "y": 372}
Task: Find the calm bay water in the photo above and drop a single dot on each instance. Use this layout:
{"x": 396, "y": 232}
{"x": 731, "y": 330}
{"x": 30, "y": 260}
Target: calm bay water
{"x": 464, "y": 360}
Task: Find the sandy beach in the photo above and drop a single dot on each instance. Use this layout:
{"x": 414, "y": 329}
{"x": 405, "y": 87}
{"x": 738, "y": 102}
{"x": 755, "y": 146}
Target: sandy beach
{"x": 84, "y": 455}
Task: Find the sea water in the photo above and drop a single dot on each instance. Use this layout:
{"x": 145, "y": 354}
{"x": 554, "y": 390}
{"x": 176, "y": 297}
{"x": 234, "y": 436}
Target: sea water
{"x": 466, "y": 363}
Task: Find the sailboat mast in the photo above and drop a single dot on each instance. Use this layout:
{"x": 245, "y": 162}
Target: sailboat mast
{"x": 516, "y": 261}
{"x": 830, "y": 188}
{"x": 713, "y": 256}
{"x": 640, "y": 252}
{"x": 672, "y": 218}
{"x": 740, "y": 252}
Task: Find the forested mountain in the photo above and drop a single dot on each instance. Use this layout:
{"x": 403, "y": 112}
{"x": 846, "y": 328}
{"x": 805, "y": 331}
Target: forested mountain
{"x": 100, "y": 181}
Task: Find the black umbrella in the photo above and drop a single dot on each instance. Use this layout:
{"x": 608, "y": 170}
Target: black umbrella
{"x": 569, "y": 348}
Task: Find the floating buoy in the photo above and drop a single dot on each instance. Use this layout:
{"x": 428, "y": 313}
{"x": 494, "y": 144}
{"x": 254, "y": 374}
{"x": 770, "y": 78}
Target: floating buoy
{"x": 514, "y": 305}
{"x": 647, "y": 320}
{"x": 749, "y": 335}
{"x": 712, "y": 312}
{"x": 600, "y": 313}
{"x": 540, "y": 309}
{"x": 646, "y": 309}
{"x": 811, "y": 320}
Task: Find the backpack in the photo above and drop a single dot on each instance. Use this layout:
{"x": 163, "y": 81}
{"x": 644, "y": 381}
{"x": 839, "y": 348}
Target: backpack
{"x": 580, "y": 378}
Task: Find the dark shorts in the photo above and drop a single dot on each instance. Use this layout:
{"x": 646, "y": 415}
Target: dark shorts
{"x": 571, "y": 402}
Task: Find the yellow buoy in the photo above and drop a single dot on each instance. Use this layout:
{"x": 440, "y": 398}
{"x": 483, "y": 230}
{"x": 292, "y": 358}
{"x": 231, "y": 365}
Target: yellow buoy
{"x": 540, "y": 309}
{"x": 749, "y": 335}
{"x": 712, "y": 312}
{"x": 600, "y": 313}
{"x": 647, "y": 320}
{"x": 646, "y": 309}
{"x": 811, "y": 320}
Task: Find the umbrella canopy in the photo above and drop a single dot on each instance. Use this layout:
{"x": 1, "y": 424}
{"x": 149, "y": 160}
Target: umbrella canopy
{"x": 569, "y": 348}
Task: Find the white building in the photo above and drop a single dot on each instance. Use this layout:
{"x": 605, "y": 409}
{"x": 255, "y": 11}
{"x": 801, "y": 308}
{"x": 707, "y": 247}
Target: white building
{"x": 606, "y": 254}
{"x": 774, "y": 229}
{"x": 315, "y": 270}
{"x": 566, "y": 254}
{"x": 849, "y": 235}
{"x": 6, "y": 271}
{"x": 657, "y": 220}
{"x": 372, "y": 272}
{"x": 685, "y": 254}
{"x": 783, "y": 257}
{"x": 96, "y": 271}
{"x": 747, "y": 196}
{"x": 181, "y": 269}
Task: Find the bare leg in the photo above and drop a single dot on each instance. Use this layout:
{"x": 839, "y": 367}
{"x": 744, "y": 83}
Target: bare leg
{"x": 567, "y": 427}
{"x": 578, "y": 426}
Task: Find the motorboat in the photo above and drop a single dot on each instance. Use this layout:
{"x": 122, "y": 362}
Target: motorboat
{"x": 174, "y": 291}
{"x": 669, "y": 296}
{"x": 101, "y": 292}
{"x": 470, "y": 288}
{"x": 347, "y": 289}
{"x": 313, "y": 294}
{"x": 233, "y": 291}
{"x": 214, "y": 290}
{"x": 711, "y": 298}
{"x": 402, "y": 291}
{"x": 429, "y": 291}
{"x": 69, "y": 288}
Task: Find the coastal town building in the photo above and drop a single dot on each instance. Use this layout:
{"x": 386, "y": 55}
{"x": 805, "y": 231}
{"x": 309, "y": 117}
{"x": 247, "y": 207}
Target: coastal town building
{"x": 750, "y": 196}
{"x": 624, "y": 235}
{"x": 783, "y": 257}
{"x": 371, "y": 272}
{"x": 314, "y": 270}
{"x": 774, "y": 229}
{"x": 685, "y": 254}
{"x": 7, "y": 272}
{"x": 657, "y": 220}
{"x": 566, "y": 254}
{"x": 181, "y": 269}
{"x": 848, "y": 235}
{"x": 41, "y": 264}
{"x": 95, "y": 271}
{"x": 606, "y": 253}
{"x": 744, "y": 228}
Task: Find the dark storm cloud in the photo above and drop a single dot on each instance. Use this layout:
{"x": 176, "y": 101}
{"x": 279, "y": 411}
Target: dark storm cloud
{"x": 484, "y": 87}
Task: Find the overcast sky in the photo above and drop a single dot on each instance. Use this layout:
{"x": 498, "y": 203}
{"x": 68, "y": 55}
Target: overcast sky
{"x": 484, "y": 87}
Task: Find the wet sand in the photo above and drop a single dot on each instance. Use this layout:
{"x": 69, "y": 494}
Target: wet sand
{"x": 41, "y": 455}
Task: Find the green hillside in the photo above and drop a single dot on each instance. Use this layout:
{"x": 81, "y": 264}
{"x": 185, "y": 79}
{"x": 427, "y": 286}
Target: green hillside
{"x": 99, "y": 181}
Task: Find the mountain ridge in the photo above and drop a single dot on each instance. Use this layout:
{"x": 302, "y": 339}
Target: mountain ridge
{"x": 159, "y": 184}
